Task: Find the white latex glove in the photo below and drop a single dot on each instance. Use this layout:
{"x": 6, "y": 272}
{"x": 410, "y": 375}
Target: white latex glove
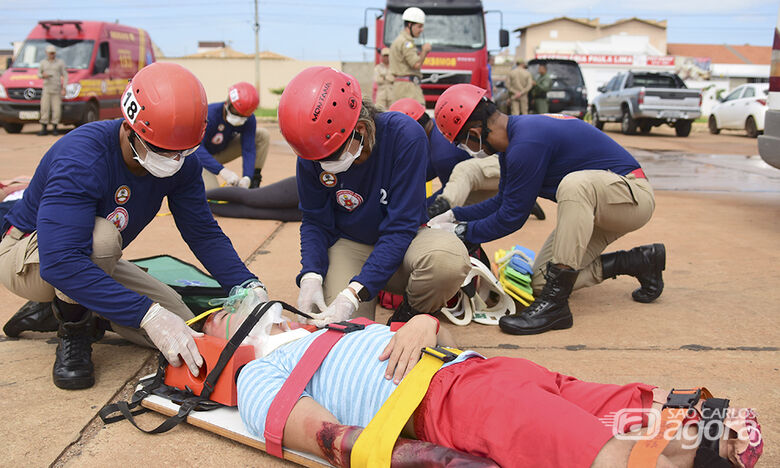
{"x": 444, "y": 226}
{"x": 446, "y": 217}
{"x": 311, "y": 298}
{"x": 244, "y": 182}
{"x": 172, "y": 337}
{"x": 230, "y": 177}
{"x": 259, "y": 289}
{"x": 342, "y": 308}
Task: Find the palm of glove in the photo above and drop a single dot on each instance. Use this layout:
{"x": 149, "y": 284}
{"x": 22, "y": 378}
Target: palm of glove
{"x": 311, "y": 299}
{"x": 342, "y": 308}
{"x": 172, "y": 337}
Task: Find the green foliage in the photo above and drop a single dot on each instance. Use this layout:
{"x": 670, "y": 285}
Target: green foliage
{"x": 277, "y": 91}
{"x": 266, "y": 112}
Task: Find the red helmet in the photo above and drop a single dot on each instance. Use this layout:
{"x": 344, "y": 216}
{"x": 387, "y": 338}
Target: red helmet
{"x": 318, "y": 111}
{"x": 454, "y": 107}
{"x": 408, "y": 106}
{"x": 243, "y": 96}
{"x": 166, "y": 105}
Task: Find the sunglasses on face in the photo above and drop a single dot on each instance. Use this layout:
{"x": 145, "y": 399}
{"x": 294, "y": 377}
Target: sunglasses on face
{"x": 173, "y": 154}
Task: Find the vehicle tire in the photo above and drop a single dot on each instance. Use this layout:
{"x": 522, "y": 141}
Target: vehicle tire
{"x": 594, "y": 117}
{"x": 645, "y": 126}
{"x": 750, "y": 127}
{"x": 683, "y": 128}
{"x": 13, "y": 127}
{"x": 713, "y": 125}
{"x": 91, "y": 114}
{"x": 627, "y": 123}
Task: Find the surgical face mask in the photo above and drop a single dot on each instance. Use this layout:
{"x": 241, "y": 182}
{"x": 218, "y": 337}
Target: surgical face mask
{"x": 345, "y": 160}
{"x": 233, "y": 119}
{"x": 158, "y": 165}
{"x": 474, "y": 154}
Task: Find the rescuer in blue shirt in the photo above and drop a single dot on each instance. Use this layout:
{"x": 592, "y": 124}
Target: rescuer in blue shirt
{"x": 91, "y": 195}
{"x": 361, "y": 183}
{"x": 601, "y": 191}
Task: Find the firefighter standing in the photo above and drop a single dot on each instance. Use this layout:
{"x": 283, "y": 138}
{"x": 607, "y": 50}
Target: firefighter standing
{"x": 519, "y": 84}
{"x": 384, "y": 81}
{"x": 405, "y": 62}
{"x": 55, "y": 77}
{"x": 542, "y": 85}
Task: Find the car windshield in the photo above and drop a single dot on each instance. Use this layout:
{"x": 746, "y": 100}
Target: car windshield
{"x": 75, "y": 53}
{"x": 562, "y": 74}
{"x": 654, "y": 81}
{"x": 442, "y": 31}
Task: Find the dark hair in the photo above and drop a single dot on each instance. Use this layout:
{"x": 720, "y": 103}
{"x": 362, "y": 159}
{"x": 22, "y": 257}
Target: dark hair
{"x": 484, "y": 110}
{"x": 368, "y": 113}
{"x": 424, "y": 119}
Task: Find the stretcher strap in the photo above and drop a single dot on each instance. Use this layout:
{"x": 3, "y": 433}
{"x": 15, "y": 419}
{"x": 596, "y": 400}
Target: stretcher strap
{"x": 293, "y": 387}
{"x": 374, "y": 446}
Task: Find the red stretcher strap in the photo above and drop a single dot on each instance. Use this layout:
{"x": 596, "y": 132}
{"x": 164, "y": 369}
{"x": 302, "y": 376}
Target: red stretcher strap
{"x": 293, "y": 387}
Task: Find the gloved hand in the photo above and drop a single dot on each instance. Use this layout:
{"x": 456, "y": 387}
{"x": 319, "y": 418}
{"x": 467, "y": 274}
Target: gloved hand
{"x": 260, "y": 290}
{"x": 448, "y": 217}
{"x": 230, "y": 177}
{"x": 172, "y": 337}
{"x": 311, "y": 299}
{"x": 342, "y": 308}
{"x": 244, "y": 182}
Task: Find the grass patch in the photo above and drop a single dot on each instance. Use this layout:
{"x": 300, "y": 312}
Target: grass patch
{"x": 266, "y": 112}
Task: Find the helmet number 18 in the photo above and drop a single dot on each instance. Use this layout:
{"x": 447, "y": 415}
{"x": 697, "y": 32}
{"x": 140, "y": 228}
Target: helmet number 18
{"x": 130, "y": 106}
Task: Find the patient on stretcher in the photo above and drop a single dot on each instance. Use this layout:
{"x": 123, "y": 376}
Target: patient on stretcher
{"x": 506, "y": 412}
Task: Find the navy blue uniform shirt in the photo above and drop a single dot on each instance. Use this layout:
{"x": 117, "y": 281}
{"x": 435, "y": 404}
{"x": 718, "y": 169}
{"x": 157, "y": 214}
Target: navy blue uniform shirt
{"x": 219, "y": 134}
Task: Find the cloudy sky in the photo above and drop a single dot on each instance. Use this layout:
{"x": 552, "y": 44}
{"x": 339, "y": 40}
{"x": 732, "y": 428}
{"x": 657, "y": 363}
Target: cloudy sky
{"x": 327, "y": 30}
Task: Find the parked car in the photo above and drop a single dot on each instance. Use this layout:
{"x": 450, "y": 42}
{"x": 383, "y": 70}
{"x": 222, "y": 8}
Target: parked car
{"x": 646, "y": 100}
{"x": 769, "y": 142}
{"x": 745, "y": 107}
{"x": 568, "y": 94}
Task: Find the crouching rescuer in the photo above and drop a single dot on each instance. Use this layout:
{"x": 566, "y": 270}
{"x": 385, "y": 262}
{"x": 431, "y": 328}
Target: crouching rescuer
{"x": 93, "y": 192}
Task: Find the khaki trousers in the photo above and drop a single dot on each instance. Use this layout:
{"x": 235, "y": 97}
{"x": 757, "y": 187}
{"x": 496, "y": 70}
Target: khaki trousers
{"x": 519, "y": 106}
{"x": 233, "y": 151}
{"x": 384, "y": 96}
{"x": 432, "y": 271}
{"x": 472, "y": 181}
{"x": 407, "y": 89}
{"x": 594, "y": 209}
{"x": 51, "y": 103}
{"x": 20, "y": 273}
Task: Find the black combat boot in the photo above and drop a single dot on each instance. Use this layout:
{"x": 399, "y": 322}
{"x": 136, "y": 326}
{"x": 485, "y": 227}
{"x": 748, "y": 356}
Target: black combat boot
{"x": 550, "y": 310}
{"x": 33, "y": 316}
{"x": 257, "y": 177}
{"x": 54, "y": 130}
{"x": 44, "y": 131}
{"x": 645, "y": 263}
{"x": 73, "y": 368}
{"x": 439, "y": 206}
{"x": 404, "y": 312}
{"x": 538, "y": 211}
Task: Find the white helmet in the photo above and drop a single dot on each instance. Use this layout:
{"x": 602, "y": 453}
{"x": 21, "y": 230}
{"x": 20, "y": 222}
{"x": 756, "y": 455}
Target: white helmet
{"x": 414, "y": 15}
{"x": 483, "y": 301}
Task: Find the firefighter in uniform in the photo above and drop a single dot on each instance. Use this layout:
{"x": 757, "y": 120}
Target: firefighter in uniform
{"x": 519, "y": 84}
{"x": 384, "y": 81}
{"x": 405, "y": 62}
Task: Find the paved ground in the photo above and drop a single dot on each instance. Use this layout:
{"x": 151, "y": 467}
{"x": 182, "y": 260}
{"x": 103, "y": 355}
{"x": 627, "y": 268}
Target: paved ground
{"x": 715, "y": 325}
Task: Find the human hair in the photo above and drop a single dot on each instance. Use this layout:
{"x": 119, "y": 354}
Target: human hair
{"x": 368, "y": 112}
{"x": 479, "y": 116}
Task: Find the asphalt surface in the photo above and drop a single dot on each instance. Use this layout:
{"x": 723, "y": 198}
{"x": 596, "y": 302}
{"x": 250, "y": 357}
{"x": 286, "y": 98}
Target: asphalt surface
{"x": 718, "y": 213}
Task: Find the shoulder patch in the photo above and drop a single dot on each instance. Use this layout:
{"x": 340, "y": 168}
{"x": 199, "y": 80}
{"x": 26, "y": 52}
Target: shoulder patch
{"x": 409, "y": 44}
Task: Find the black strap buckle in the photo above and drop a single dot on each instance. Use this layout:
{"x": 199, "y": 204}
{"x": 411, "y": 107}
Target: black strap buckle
{"x": 443, "y": 354}
{"x": 683, "y": 398}
{"x": 345, "y": 327}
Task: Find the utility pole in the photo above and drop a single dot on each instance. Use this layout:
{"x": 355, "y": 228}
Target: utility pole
{"x": 257, "y": 54}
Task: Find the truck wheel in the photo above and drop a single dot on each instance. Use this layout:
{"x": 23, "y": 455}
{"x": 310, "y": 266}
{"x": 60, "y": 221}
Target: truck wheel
{"x": 598, "y": 123}
{"x": 682, "y": 128}
{"x": 713, "y": 125}
{"x": 91, "y": 114}
{"x": 13, "y": 127}
{"x": 750, "y": 127}
{"x": 645, "y": 126}
{"x": 627, "y": 123}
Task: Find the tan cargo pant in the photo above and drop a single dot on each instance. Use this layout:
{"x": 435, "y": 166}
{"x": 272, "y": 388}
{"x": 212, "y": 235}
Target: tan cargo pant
{"x": 384, "y": 96}
{"x": 51, "y": 103}
{"x": 20, "y": 273}
{"x": 519, "y": 106}
{"x": 233, "y": 151}
{"x": 434, "y": 267}
{"x": 472, "y": 181}
{"x": 595, "y": 208}
{"x": 407, "y": 89}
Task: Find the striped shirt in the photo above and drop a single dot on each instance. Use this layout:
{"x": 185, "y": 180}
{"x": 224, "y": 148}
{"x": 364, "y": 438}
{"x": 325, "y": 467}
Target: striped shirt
{"x": 350, "y": 383}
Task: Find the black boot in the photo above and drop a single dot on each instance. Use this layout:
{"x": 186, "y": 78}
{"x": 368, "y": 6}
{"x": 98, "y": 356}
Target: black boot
{"x": 645, "y": 263}
{"x": 54, "y": 130}
{"x": 257, "y": 177}
{"x": 73, "y": 368}
{"x": 44, "y": 131}
{"x": 538, "y": 211}
{"x": 439, "y": 206}
{"x": 404, "y": 312}
{"x": 33, "y": 316}
{"x": 550, "y": 310}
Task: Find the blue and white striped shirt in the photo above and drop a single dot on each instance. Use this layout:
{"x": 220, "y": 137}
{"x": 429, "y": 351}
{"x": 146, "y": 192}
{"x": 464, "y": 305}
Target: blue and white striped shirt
{"x": 350, "y": 383}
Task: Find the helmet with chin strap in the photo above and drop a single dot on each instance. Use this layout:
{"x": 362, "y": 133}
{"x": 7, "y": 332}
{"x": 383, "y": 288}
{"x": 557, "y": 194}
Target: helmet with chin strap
{"x": 454, "y": 107}
{"x": 414, "y": 15}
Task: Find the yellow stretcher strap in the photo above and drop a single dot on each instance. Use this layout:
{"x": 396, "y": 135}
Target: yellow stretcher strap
{"x": 374, "y": 446}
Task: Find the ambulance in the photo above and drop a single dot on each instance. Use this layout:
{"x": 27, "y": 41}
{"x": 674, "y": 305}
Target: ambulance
{"x": 100, "y": 58}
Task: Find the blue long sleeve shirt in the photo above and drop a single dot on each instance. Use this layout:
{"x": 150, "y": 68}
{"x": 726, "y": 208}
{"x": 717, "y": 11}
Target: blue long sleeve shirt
{"x": 444, "y": 155}
{"x": 219, "y": 134}
{"x": 83, "y": 176}
{"x": 380, "y": 202}
{"x": 542, "y": 150}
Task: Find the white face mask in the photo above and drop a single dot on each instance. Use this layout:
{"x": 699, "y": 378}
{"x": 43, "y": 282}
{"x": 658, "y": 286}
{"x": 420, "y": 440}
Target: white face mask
{"x": 474, "y": 154}
{"x": 233, "y": 119}
{"x": 344, "y": 161}
{"x": 157, "y": 165}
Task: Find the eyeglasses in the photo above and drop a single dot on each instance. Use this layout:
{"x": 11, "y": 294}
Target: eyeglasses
{"x": 173, "y": 154}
